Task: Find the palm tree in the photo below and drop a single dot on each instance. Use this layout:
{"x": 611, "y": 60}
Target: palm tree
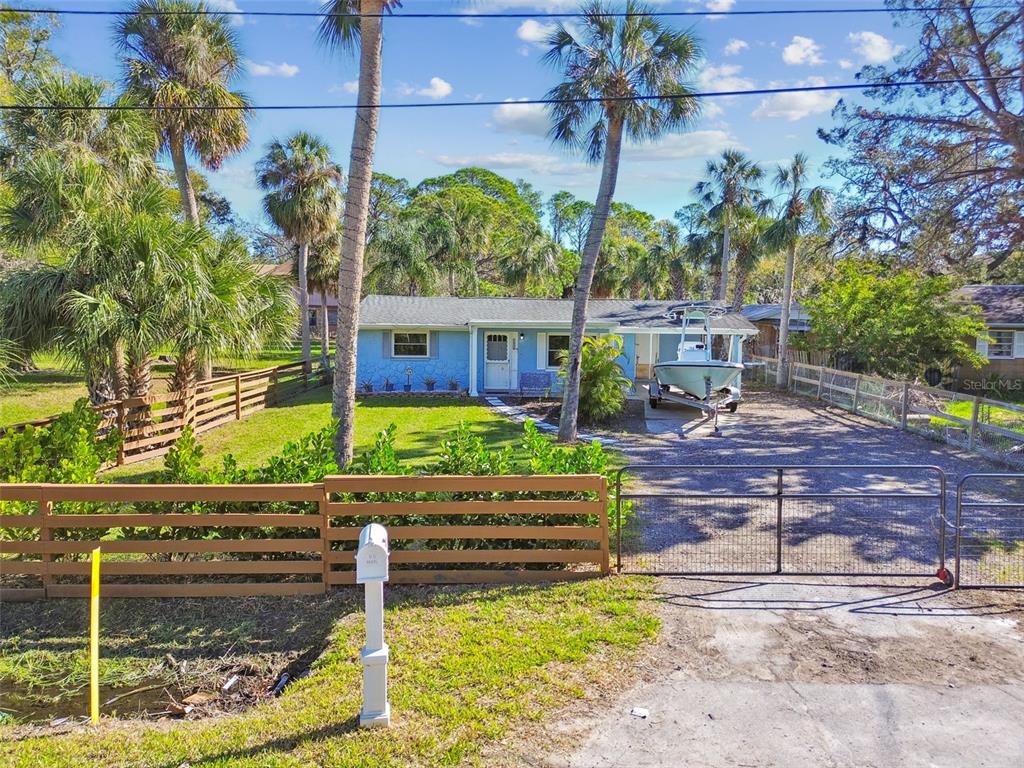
{"x": 670, "y": 249}
{"x": 178, "y": 54}
{"x": 606, "y": 62}
{"x": 805, "y": 210}
{"x": 303, "y": 199}
{"x": 324, "y": 259}
{"x": 730, "y": 186}
{"x": 349, "y": 22}
{"x": 750, "y": 247}
{"x": 229, "y": 308}
{"x": 400, "y": 257}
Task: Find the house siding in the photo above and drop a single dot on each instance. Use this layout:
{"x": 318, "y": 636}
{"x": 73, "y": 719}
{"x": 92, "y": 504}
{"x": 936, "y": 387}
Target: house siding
{"x": 449, "y": 360}
{"x": 528, "y": 351}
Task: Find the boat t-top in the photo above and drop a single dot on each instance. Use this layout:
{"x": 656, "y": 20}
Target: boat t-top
{"x": 695, "y": 377}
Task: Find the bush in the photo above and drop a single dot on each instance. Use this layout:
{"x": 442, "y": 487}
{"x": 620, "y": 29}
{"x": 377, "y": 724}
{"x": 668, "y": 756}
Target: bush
{"x": 603, "y": 384}
{"x": 70, "y": 450}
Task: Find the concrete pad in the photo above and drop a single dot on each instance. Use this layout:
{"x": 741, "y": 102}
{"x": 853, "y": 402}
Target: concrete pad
{"x": 802, "y": 673}
{"x": 797, "y": 725}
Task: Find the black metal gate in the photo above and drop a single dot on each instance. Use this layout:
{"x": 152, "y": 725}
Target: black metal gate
{"x": 841, "y": 519}
{"x": 990, "y": 531}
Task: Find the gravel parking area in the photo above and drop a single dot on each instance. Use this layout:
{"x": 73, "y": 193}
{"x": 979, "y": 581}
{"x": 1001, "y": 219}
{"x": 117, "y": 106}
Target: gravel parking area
{"x": 875, "y": 532}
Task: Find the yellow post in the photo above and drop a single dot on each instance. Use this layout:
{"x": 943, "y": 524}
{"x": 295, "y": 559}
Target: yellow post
{"x": 94, "y": 638}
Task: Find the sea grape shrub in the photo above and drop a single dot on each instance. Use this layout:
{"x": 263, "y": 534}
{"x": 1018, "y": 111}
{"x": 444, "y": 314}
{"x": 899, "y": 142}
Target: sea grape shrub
{"x": 603, "y": 383}
{"x": 70, "y": 450}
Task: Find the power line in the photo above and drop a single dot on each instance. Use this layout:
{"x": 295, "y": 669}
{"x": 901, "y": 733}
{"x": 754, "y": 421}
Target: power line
{"x": 514, "y": 14}
{"x": 505, "y": 102}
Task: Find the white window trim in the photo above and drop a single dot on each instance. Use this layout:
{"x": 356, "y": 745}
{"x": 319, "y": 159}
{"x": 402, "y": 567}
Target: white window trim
{"x": 397, "y": 331}
{"x": 547, "y": 351}
{"x": 991, "y": 346}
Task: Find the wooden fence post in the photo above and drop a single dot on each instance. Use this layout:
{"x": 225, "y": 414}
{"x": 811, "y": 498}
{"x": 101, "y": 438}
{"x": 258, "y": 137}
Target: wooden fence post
{"x": 121, "y": 428}
{"x": 605, "y": 555}
{"x": 238, "y": 397}
{"x": 45, "y": 534}
{"x": 821, "y": 381}
{"x": 856, "y": 392}
{"x": 271, "y": 397}
{"x": 325, "y": 543}
{"x": 972, "y": 435}
{"x": 905, "y": 405}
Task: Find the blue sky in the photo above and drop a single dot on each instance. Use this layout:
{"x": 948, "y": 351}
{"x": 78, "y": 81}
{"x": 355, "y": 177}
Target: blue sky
{"x": 499, "y": 59}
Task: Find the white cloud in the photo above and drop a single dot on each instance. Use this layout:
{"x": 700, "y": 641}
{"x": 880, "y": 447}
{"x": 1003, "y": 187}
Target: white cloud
{"x": 229, "y": 6}
{"x": 681, "y": 146}
{"x": 711, "y": 109}
{"x": 873, "y": 47}
{"x": 523, "y": 50}
{"x": 802, "y": 50}
{"x": 349, "y": 86}
{"x": 470, "y": 22}
{"x": 270, "y": 69}
{"x": 537, "y": 163}
{"x": 719, "y": 5}
{"x": 535, "y": 32}
{"x": 437, "y": 89}
{"x": 735, "y": 45}
{"x": 797, "y": 105}
{"x": 845, "y": 64}
{"x": 532, "y": 119}
{"x": 724, "y": 77}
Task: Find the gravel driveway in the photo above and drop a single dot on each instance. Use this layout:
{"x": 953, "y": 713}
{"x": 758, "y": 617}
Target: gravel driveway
{"x": 874, "y": 533}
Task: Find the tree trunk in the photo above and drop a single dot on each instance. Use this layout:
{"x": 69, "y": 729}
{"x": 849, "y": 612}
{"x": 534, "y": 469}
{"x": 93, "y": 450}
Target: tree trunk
{"x": 782, "y": 375}
{"x": 188, "y": 196}
{"x": 324, "y": 324}
{"x": 585, "y": 278}
{"x": 739, "y": 287}
{"x": 678, "y": 281}
{"x": 304, "y": 301}
{"x": 357, "y": 203}
{"x": 119, "y": 372}
{"x": 186, "y": 371}
{"x": 723, "y": 286}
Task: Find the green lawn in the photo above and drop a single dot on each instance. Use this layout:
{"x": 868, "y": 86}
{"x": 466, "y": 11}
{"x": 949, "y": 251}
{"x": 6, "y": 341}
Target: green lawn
{"x": 987, "y": 414}
{"x": 470, "y": 668}
{"x": 423, "y": 423}
{"x": 52, "y": 389}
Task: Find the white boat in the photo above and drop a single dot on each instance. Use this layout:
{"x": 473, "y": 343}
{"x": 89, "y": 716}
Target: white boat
{"x": 695, "y": 372}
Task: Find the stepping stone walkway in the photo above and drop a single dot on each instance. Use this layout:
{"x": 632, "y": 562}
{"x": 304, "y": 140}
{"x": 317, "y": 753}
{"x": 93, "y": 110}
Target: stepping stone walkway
{"x": 518, "y": 415}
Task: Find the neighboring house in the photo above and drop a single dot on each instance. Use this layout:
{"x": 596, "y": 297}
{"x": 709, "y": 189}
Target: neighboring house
{"x": 767, "y": 318}
{"x": 1002, "y": 308}
{"x": 285, "y": 269}
{"x": 511, "y": 344}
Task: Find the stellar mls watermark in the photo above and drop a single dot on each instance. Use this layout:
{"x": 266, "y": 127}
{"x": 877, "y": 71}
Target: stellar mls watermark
{"x": 994, "y": 385}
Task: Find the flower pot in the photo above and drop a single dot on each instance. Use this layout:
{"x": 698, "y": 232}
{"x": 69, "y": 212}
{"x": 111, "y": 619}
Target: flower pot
{"x": 430, "y": 387}
{"x": 407, "y": 387}
{"x": 389, "y": 387}
{"x": 368, "y": 388}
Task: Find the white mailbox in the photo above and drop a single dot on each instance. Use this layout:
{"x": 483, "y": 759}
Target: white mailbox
{"x": 372, "y": 555}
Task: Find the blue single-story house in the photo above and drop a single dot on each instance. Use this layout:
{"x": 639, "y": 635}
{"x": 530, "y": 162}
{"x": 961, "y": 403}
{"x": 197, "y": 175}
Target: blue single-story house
{"x": 511, "y": 344}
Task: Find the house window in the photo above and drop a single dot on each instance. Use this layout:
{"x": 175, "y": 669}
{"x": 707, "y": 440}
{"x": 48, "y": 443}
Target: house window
{"x": 410, "y": 344}
{"x": 1001, "y": 344}
{"x": 558, "y": 345}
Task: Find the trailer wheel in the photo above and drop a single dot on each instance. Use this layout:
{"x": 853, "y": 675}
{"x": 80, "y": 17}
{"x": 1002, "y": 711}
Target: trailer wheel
{"x": 654, "y": 402}
{"x": 731, "y": 407}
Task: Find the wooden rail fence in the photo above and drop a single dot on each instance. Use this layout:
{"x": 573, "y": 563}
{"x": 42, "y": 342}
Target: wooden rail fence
{"x": 147, "y": 554}
{"x": 990, "y": 428}
{"x": 151, "y": 424}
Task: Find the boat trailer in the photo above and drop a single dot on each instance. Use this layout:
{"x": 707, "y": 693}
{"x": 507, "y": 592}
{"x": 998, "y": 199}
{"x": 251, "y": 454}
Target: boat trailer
{"x": 729, "y": 399}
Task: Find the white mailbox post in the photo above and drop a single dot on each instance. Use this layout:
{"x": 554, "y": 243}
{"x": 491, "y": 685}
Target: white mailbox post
{"x": 372, "y": 571}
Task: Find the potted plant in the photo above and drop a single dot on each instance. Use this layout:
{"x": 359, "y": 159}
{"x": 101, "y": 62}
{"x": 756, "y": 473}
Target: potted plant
{"x": 367, "y": 386}
{"x": 389, "y": 385}
{"x": 429, "y": 382}
{"x": 407, "y": 387}
{"x": 453, "y": 384}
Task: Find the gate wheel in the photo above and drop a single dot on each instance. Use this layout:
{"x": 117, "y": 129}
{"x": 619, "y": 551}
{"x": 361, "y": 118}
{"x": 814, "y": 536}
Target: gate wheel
{"x": 945, "y": 576}
{"x": 731, "y": 407}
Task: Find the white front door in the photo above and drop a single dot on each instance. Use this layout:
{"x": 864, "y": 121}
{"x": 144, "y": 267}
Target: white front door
{"x": 497, "y": 361}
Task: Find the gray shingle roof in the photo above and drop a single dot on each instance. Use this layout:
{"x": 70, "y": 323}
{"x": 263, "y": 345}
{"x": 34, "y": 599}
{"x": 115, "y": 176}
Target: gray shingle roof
{"x": 450, "y": 311}
{"x": 1000, "y": 304}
